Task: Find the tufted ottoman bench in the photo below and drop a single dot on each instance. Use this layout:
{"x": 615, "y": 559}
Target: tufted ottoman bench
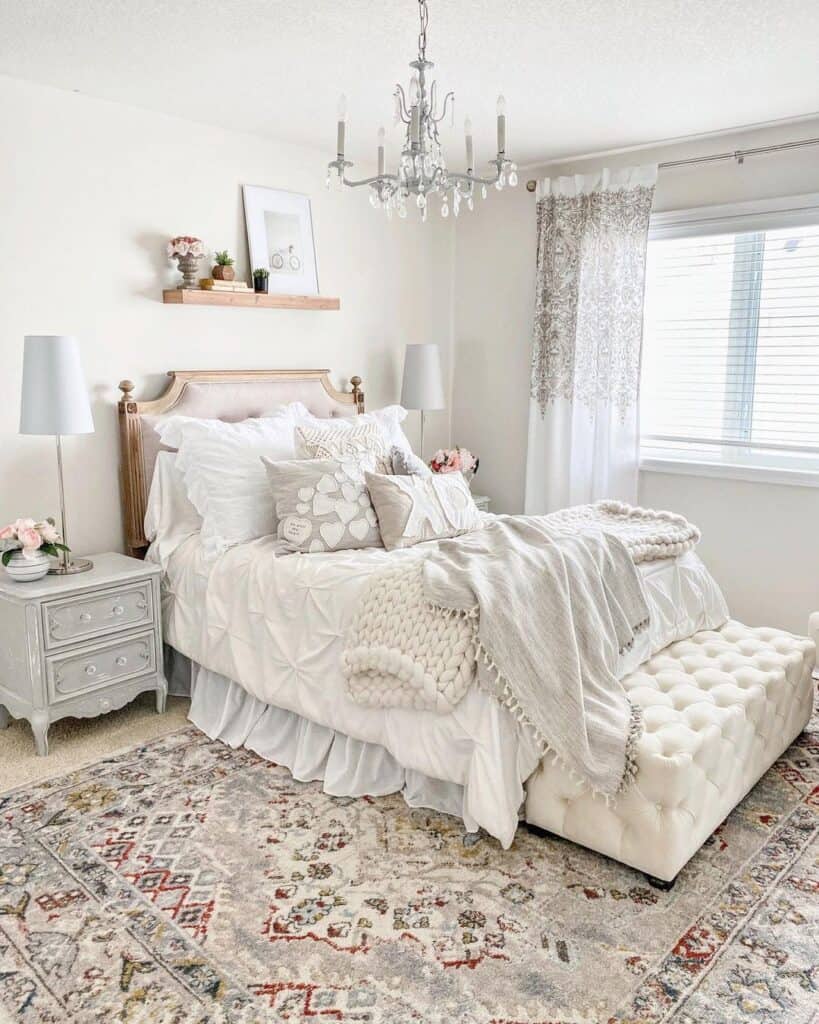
{"x": 718, "y": 710}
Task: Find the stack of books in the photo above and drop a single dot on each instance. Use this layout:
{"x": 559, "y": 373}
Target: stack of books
{"x": 210, "y": 285}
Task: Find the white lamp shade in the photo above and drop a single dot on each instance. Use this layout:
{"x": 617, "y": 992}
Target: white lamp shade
{"x": 54, "y": 393}
{"x": 423, "y": 385}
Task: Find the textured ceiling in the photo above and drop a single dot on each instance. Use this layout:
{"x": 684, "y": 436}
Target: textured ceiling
{"x": 578, "y": 76}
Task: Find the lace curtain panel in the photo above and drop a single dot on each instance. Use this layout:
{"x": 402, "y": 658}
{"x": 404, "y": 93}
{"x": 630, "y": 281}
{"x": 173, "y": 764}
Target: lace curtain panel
{"x": 588, "y": 324}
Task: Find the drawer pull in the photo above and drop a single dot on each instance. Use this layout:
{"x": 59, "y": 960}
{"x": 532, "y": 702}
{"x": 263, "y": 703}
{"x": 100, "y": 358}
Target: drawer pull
{"x": 122, "y": 660}
{"x": 90, "y": 670}
{"x": 85, "y": 617}
{"x": 117, "y": 609}
{"x": 105, "y": 705}
{"x": 142, "y": 605}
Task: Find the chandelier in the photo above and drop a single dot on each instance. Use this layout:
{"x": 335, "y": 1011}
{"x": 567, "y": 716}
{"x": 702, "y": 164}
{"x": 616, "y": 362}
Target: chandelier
{"x": 422, "y": 169}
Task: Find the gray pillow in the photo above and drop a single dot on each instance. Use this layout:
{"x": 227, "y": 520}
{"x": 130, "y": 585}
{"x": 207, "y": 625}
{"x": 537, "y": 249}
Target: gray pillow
{"x": 323, "y": 504}
{"x": 411, "y": 509}
{"x": 407, "y": 463}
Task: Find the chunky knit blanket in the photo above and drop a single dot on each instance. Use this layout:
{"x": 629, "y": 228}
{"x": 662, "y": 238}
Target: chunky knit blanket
{"x": 646, "y": 534}
{"x": 546, "y": 610}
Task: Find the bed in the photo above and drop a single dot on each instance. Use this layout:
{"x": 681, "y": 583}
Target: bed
{"x": 257, "y": 638}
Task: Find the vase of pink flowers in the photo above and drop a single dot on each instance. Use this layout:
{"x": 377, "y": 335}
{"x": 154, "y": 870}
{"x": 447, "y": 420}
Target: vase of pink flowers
{"x": 26, "y": 546}
{"x": 455, "y": 460}
{"x": 187, "y": 251}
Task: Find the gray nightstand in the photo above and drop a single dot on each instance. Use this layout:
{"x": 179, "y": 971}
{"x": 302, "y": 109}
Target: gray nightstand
{"x": 482, "y": 501}
{"x": 80, "y": 645}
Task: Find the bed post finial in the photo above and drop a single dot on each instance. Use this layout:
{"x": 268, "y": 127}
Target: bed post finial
{"x": 126, "y": 387}
{"x": 358, "y": 394}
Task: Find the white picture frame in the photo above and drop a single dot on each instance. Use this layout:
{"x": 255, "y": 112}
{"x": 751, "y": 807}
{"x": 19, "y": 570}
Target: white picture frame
{"x": 279, "y": 228}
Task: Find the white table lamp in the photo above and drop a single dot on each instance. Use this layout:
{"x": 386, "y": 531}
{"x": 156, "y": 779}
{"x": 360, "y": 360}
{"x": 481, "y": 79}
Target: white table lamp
{"x": 55, "y": 402}
{"x": 423, "y": 385}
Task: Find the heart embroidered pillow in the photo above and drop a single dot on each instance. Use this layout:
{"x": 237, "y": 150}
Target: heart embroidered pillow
{"x": 323, "y": 504}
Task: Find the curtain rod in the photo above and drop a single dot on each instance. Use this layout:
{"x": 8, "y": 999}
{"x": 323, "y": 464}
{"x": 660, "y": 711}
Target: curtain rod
{"x": 737, "y": 154}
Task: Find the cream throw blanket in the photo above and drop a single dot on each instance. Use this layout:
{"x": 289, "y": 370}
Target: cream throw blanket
{"x": 548, "y": 610}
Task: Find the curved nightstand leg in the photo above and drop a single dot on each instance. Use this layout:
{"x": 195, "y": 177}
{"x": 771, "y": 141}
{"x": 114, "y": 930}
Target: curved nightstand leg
{"x": 161, "y": 694}
{"x": 5, "y": 717}
{"x": 39, "y": 726}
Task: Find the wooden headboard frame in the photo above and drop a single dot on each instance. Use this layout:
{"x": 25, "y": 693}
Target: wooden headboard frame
{"x": 133, "y": 482}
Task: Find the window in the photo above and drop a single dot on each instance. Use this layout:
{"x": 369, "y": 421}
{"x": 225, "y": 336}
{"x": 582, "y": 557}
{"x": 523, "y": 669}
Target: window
{"x": 730, "y": 373}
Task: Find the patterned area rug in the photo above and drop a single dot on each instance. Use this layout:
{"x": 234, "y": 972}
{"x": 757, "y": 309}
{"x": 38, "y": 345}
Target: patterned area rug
{"x": 187, "y": 882}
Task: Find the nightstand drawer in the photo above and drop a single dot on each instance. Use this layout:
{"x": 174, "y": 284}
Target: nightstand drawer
{"x": 90, "y": 615}
{"x": 95, "y": 666}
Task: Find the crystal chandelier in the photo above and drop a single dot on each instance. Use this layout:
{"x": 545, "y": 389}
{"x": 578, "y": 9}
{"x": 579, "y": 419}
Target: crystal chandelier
{"x": 422, "y": 169}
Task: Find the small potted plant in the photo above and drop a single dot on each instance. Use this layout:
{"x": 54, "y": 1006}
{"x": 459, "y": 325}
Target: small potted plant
{"x": 187, "y": 251}
{"x": 223, "y": 269}
{"x": 260, "y": 278}
{"x": 26, "y": 545}
{"x": 455, "y": 460}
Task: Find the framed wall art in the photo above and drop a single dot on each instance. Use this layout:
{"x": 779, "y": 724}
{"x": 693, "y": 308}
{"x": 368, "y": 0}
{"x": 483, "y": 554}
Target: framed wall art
{"x": 280, "y": 238}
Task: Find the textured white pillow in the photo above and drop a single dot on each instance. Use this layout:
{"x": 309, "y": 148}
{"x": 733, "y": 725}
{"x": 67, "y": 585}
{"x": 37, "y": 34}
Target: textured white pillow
{"x": 347, "y": 443}
{"x": 223, "y": 476}
{"x": 412, "y": 509}
{"x": 322, "y": 504}
{"x": 388, "y": 420}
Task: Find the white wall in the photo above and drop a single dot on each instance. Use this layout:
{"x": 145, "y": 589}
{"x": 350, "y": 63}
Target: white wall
{"x": 760, "y": 539}
{"x": 90, "y": 192}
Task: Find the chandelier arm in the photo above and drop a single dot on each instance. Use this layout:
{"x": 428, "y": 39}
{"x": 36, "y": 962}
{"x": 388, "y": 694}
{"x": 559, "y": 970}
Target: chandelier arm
{"x": 449, "y": 96}
{"x": 471, "y": 179}
{"x": 403, "y": 110}
{"x": 380, "y": 179}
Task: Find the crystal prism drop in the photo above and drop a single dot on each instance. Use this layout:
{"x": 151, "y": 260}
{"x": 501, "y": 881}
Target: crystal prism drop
{"x": 483, "y": 191}
{"x": 444, "y": 210}
{"x": 513, "y": 178}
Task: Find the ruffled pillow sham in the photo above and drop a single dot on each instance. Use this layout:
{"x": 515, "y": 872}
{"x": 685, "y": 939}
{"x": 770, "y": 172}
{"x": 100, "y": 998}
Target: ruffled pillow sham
{"x": 224, "y": 478}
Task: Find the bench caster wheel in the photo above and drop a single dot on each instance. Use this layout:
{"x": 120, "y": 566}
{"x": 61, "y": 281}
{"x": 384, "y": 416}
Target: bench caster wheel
{"x": 660, "y": 883}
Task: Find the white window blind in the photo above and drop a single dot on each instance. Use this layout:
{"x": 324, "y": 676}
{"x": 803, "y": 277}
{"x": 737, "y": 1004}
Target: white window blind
{"x": 730, "y": 371}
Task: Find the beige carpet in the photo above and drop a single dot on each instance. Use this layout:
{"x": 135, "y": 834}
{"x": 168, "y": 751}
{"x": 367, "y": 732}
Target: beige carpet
{"x": 74, "y": 742}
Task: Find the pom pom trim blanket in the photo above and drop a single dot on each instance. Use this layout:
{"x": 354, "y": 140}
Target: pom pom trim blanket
{"x": 539, "y": 608}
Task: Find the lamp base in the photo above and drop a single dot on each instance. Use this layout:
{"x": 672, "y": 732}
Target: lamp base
{"x": 75, "y": 565}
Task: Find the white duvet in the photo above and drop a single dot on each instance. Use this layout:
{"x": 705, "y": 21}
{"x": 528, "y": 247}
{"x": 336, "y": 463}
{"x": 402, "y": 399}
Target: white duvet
{"x": 276, "y": 625}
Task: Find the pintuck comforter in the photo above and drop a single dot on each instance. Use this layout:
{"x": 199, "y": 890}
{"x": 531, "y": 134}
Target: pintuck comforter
{"x": 276, "y": 624}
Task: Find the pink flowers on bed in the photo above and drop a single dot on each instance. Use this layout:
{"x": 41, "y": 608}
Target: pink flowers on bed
{"x": 454, "y": 460}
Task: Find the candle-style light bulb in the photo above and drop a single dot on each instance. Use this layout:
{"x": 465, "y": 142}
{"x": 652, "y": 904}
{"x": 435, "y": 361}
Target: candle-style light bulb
{"x": 501, "y": 124}
{"x": 381, "y": 136}
{"x": 341, "y": 125}
{"x": 470, "y": 159}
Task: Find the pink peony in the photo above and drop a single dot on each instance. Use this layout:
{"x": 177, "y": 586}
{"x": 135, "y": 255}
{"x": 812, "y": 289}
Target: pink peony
{"x": 31, "y": 541}
{"x": 22, "y": 524}
{"x": 48, "y": 532}
{"x": 8, "y": 532}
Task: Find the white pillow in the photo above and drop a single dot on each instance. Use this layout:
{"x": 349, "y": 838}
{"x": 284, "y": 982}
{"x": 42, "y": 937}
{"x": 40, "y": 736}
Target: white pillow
{"x": 388, "y": 420}
{"x": 170, "y": 518}
{"x": 412, "y": 509}
{"x": 224, "y": 477}
{"x": 363, "y": 440}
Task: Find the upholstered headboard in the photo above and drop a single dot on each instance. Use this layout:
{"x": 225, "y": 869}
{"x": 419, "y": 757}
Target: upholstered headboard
{"x": 212, "y": 394}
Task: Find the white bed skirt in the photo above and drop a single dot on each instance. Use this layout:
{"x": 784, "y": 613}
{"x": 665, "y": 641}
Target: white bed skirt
{"x": 311, "y": 752}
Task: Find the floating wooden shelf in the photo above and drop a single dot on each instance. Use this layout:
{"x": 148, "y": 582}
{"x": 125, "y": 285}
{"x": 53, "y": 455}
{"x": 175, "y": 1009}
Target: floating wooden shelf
{"x": 202, "y": 297}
